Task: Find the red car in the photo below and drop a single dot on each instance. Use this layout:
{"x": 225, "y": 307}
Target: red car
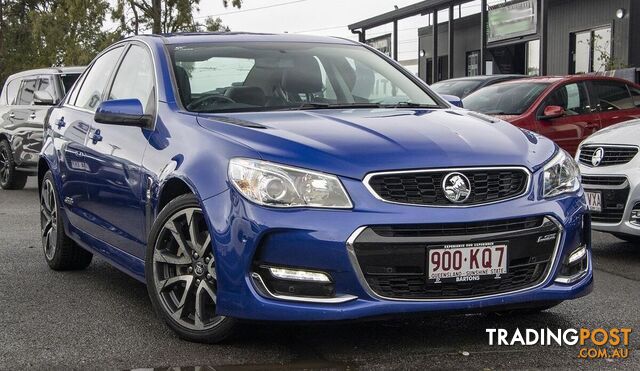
{"x": 565, "y": 109}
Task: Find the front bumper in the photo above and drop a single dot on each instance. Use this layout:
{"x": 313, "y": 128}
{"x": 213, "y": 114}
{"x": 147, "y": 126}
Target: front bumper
{"x": 316, "y": 239}
{"x": 622, "y": 200}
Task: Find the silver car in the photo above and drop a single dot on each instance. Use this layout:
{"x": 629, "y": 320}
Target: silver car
{"x": 610, "y": 168}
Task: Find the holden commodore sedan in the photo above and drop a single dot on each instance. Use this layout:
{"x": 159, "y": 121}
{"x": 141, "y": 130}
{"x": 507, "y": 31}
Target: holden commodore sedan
{"x": 610, "y": 168}
{"x": 297, "y": 178}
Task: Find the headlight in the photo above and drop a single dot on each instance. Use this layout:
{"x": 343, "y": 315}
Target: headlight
{"x": 276, "y": 185}
{"x": 561, "y": 175}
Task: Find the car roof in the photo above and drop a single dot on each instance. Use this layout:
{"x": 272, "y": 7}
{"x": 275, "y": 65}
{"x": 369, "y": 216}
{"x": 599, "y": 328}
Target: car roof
{"x": 483, "y": 78}
{"x": 211, "y": 37}
{"x": 561, "y": 79}
{"x": 49, "y": 70}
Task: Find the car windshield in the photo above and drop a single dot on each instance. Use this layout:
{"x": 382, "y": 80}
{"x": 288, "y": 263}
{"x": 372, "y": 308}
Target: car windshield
{"x": 223, "y": 77}
{"x": 504, "y": 99}
{"x": 459, "y": 88}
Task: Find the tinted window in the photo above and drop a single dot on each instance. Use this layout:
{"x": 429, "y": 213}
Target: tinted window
{"x": 635, "y": 95}
{"x": 28, "y": 87}
{"x": 90, "y": 93}
{"x": 571, "y": 97}
{"x": 612, "y": 95}
{"x": 459, "y": 88}
{"x": 266, "y": 76}
{"x": 68, "y": 80}
{"x": 11, "y": 92}
{"x": 134, "y": 78}
{"x": 504, "y": 99}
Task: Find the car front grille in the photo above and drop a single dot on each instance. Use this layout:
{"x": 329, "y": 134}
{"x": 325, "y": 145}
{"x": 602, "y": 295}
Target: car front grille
{"x": 615, "y": 191}
{"x": 425, "y": 187}
{"x": 613, "y": 155}
{"x": 393, "y": 259}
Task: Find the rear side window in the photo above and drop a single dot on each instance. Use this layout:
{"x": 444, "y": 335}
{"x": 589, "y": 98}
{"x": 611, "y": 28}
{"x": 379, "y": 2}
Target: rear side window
{"x": 28, "y": 87}
{"x": 11, "y": 92}
{"x": 90, "y": 93}
{"x": 571, "y": 97}
{"x": 46, "y": 83}
{"x": 612, "y": 95}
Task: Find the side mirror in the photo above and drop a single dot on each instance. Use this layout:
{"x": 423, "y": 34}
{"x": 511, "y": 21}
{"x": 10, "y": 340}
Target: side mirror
{"x": 127, "y": 112}
{"x": 452, "y": 99}
{"x": 42, "y": 98}
{"x": 552, "y": 112}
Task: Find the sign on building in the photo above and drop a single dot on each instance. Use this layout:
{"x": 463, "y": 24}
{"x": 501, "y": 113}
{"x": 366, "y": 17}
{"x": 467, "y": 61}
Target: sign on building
{"x": 511, "y": 19}
{"x": 381, "y": 43}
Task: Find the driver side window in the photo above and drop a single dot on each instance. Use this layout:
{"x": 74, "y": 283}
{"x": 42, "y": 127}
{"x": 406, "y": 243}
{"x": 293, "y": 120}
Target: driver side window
{"x": 572, "y": 98}
{"x": 135, "y": 80}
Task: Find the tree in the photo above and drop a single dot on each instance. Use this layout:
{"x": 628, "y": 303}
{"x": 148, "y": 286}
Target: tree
{"x": 164, "y": 16}
{"x": 40, "y": 33}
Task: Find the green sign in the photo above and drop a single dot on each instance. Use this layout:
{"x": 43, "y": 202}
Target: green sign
{"x": 511, "y": 19}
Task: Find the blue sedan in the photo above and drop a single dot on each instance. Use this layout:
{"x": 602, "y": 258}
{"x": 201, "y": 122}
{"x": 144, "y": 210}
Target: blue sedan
{"x": 296, "y": 178}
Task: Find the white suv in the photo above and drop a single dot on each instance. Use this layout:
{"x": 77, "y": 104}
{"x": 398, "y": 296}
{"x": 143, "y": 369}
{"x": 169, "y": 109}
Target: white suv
{"x": 610, "y": 168}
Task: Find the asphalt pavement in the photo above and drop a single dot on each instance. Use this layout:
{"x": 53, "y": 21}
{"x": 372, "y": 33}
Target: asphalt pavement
{"x": 100, "y": 318}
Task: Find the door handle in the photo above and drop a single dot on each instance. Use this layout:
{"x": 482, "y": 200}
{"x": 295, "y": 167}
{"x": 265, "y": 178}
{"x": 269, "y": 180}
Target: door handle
{"x": 96, "y": 137}
{"x": 61, "y": 123}
{"x": 12, "y": 115}
{"x": 32, "y": 116}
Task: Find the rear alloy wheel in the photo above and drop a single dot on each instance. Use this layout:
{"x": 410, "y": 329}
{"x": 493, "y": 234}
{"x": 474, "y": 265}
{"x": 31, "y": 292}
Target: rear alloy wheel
{"x": 60, "y": 252}
{"x": 182, "y": 281}
{"x": 10, "y": 178}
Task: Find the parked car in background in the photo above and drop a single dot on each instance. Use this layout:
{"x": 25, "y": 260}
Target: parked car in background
{"x": 564, "y": 109}
{"x": 610, "y": 167}
{"x": 463, "y": 86}
{"x": 24, "y": 102}
{"x": 302, "y": 178}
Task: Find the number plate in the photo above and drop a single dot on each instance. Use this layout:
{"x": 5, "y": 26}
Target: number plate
{"x": 594, "y": 201}
{"x": 466, "y": 262}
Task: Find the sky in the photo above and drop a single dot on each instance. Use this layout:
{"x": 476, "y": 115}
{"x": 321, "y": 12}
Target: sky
{"x": 318, "y": 17}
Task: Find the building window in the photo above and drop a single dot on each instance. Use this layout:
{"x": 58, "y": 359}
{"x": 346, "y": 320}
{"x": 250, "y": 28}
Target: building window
{"x": 473, "y": 63}
{"x": 533, "y": 58}
{"x": 591, "y": 50}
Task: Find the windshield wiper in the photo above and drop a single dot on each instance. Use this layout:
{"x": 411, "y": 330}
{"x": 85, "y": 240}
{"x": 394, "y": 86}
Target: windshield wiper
{"x": 411, "y": 105}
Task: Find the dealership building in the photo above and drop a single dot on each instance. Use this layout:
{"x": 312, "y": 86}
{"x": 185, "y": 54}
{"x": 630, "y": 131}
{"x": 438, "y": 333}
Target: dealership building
{"x": 535, "y": 37}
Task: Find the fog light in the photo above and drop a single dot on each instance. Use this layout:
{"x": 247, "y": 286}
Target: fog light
{"x": 577, "y": 255}
{"x": 298, "y": 275}
{"x": 635, "y": 214}
{"x": 575, "y": 266}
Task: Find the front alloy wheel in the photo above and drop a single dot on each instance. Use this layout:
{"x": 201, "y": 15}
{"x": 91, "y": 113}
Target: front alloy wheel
{"x": 183, "y": 281}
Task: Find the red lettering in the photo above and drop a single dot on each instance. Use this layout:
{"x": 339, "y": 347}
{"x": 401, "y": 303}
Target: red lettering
{"x": 501, "y": 250}
{"x": 486, "y": 258}
{"x": 435, "y": 260}
{"x": 473, "y": 259}
{"x": 457, "y": 260}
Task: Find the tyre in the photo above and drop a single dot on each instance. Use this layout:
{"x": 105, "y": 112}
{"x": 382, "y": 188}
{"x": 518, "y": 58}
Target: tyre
{"x": 628, "y": 238}
{"x": 60, "y": 252}
{"x": 10, "y": 178}
{"x": 181, "y": 273}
